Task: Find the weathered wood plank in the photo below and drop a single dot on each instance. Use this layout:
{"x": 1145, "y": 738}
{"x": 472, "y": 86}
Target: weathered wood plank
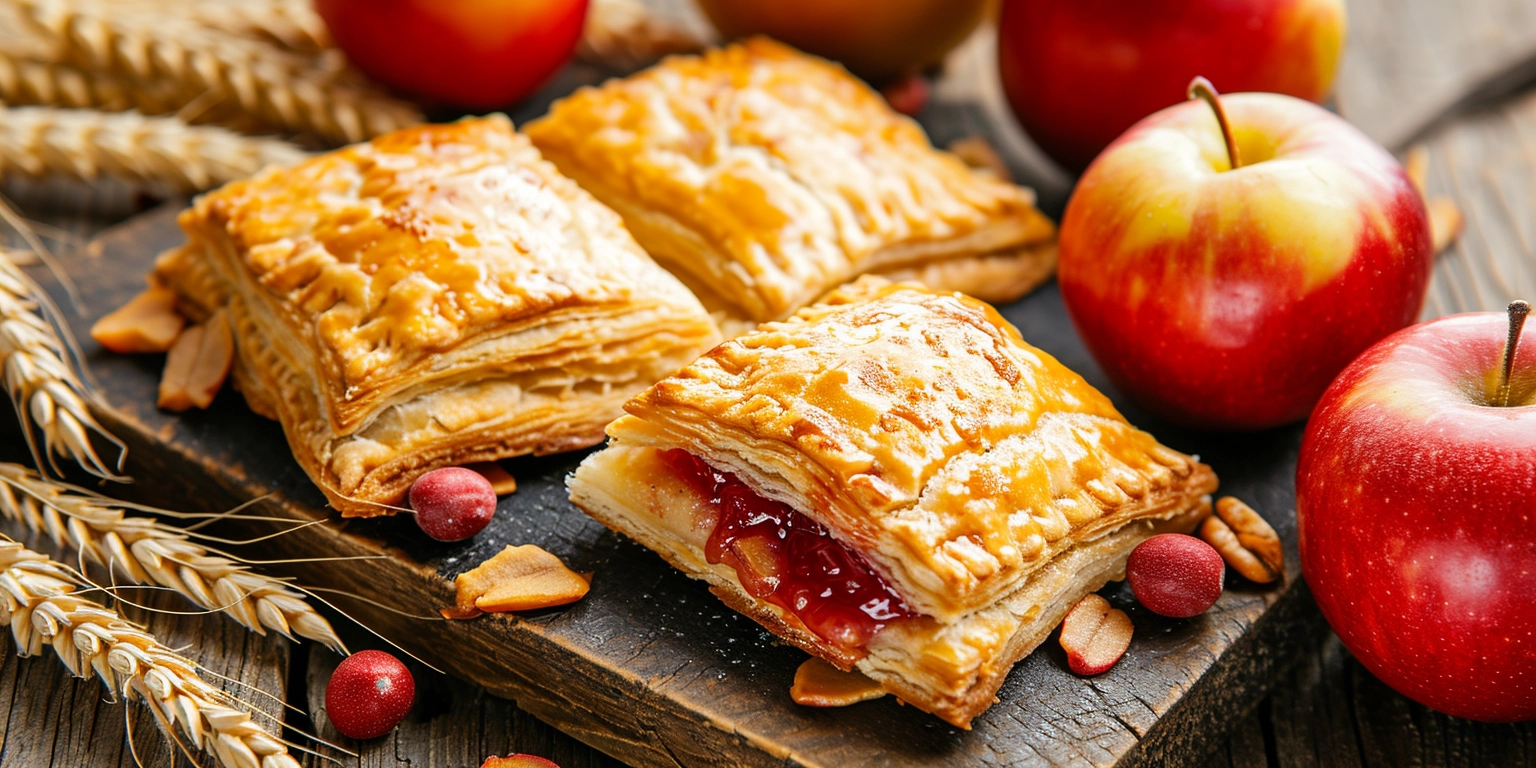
{"x": 1409, "y": 64}
{"x": 650, "y": 667}
{"x": 1486, "y": 161}
{"x": 1330, "y": 711}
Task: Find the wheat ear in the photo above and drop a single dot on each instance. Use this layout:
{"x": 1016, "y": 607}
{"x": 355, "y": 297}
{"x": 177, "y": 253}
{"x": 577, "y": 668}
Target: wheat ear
{"x": 312, "y": 95}
{"x": 38, "y": 601}
{"x": 28, "y": 82}
{"x": 163, "y": 152}
{"x": 42, "y": 379}
{"x": 146, "y": 551}
{"x": 292, "y": 24}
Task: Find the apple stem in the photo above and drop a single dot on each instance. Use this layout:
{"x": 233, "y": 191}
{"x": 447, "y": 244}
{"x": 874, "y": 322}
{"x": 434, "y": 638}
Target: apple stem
{"x": 1201, "y": 88}
{"x": 1517, "y": 311}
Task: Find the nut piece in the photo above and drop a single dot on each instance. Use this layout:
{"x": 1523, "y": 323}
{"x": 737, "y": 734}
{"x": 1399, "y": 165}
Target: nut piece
{"x": 522, "y": 578}
{"x": 197, "y": 365}
{"x": 1445, "y": 219}
{"x": 517, "y": 761}
{"x": 819, "y": 684}
{"x": 1095, "y": 635}
{"x": 1245, "y": 541}
{"x": 502, "y": 481}
{"x": 977, "y": 152}
{"x": 1445, "y": 222}
{"x": 147, "y": 323}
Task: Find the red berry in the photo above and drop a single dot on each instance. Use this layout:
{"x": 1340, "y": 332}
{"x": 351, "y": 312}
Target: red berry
{"x": 908, "y": 95}
{"x": 369, "y": 694}
{"x": 1176, "y": 575}
{"x": 453, "y": 503}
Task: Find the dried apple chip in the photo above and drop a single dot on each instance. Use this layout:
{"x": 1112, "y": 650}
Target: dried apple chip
{"x": 147, "y": 323}
{"x": 197, "y": 365}
{"x": 502, "y": 481}
{"x": 819, "y": 684}
{"x": 521, "y": 578}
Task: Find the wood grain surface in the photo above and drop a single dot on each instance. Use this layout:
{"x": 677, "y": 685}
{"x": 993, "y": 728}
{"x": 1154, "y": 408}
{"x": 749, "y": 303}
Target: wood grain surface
{"x": 1486, "y": 162}
{"x": 1412, "y": 64}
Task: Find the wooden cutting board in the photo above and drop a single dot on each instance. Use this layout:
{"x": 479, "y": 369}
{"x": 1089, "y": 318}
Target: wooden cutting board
{"x": 651, "y": 667}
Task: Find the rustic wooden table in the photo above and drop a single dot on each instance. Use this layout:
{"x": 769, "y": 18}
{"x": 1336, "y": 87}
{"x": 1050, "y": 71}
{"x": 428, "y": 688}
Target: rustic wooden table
{"x": 1456, "y": 77}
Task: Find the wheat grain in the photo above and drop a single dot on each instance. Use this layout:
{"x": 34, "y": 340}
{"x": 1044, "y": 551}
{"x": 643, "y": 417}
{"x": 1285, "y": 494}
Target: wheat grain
{"x": 292, "y": 24}
{"x": 161, "y": 152}
{"x": 44, "y": 384}
{"x": 146, "y": 551}
{"x": 310, "y": 94}
{"x": 38, "y": 601}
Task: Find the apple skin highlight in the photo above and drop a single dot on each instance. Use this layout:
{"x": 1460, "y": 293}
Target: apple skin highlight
{"x": 1416, "y": 505}
{"x": 1223, "y": 298}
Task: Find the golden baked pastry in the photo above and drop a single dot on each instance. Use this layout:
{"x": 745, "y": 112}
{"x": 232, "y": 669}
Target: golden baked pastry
{"x": 892, "y": 480}
{"x": 764, "y": 177}
{"x": 437, "y": 296}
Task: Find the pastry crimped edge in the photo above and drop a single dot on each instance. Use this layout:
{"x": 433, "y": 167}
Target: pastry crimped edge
{"x": 597, "y": 488}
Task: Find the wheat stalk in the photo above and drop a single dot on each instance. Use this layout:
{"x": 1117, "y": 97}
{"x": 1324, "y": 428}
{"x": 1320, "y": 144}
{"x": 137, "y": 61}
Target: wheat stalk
{"x": 44, "y": 384}
{"x": 38, "y": 601}
{"x": 28, "y": 82}
{"x": 314, "y": 95}
{"x": 158, "y": 151}
{"x": 146, "y": 551}
{"x": 291, "y": 24}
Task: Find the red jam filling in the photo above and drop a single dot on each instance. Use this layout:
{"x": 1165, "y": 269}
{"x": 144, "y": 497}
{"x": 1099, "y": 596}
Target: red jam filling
{"x": 787, "y": 559}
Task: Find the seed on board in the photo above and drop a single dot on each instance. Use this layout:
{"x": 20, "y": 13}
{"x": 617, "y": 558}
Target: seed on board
{"x": 1095, "y": 635}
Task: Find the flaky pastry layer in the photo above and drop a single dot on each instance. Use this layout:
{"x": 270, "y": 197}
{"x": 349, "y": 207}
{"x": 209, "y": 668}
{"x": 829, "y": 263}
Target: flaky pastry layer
{"x": 772, "y": 176}
{"x": 921, "y": 430}
{"x": 987, "y": 484}
{"x": 436, "y": 296}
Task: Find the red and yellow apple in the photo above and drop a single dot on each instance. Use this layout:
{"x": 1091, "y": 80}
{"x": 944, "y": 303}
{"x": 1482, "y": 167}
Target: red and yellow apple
{"x": 1080, "y": 73}
{"x": 1416, "y": 501}
{"x": 1226, "y": 297}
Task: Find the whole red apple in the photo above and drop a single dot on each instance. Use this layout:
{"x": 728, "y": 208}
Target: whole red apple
{"x": 1416, "y": 501}
{"x": 481, "y": 54}
{"x": 1224, "y": 297}
{"x": 1079, "y": 73}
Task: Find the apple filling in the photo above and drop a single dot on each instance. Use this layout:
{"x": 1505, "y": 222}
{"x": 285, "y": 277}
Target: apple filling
{"x": 785, "y": 558}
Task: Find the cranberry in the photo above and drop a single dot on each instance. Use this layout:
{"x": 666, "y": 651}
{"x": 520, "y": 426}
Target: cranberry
{"x": 452, "y": 503}
{"x": 369, "y": 694}
{"x": 1176, "y": 575}
{"x": 908, "y": 95}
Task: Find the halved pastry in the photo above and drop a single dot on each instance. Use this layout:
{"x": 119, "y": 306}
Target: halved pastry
{"x": 437, "y": 296}
{"x": 892, "y": 480}
{"x": 764, "y": 177}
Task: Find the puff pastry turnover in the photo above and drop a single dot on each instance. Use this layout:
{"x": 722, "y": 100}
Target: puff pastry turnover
{"x": 764, "y": 177}
{"x": 895, "y": 481}
{"x": 437, "y": 296}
